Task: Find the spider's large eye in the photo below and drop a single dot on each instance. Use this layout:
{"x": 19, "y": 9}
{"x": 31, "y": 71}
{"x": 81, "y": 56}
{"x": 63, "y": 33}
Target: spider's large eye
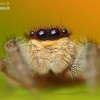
{"x": 32, "y": 33}
{"x": 54, "y": 33}
{"x": 42, "y": 34}
{"x": 64, "y": 31}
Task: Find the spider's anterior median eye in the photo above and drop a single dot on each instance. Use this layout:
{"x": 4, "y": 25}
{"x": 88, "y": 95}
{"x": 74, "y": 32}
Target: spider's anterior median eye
{"x": 54, "y": 33}
{"x": 64, "y": 31}
{"x": 32, "y": 33}
{"x": 42, "y": 34}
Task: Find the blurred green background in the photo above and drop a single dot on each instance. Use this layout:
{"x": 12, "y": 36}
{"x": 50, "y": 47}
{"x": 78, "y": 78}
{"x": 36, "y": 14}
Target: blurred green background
{"x": 82, "y": 16}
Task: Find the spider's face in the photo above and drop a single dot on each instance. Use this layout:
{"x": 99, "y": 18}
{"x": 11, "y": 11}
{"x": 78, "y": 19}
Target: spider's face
{"x": 51, "y": 50}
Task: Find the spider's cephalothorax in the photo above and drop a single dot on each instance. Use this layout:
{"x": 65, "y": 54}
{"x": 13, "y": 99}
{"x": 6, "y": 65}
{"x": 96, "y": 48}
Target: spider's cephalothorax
{"x": 50, "y": 55}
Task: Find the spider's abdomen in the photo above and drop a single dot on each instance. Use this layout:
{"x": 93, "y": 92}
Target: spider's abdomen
{"x": 55, "y": 56}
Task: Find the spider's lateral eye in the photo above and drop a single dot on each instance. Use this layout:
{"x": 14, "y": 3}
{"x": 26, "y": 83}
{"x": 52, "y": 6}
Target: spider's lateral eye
{"x": 64, "y": 31}
{"x": 54, "y": 33}
{"x": 32, "y": 33}
{"x": 42, "y": 34}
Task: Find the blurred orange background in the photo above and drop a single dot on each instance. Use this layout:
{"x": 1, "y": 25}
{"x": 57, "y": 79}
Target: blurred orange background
{"x": 82, "y": 16}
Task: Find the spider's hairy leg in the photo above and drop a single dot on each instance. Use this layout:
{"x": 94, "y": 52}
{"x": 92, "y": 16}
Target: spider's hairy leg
{"x": 7, "y": 70}
{"x": 5, "y": 67}
{"x": 87, "y": 64}
{"x": 17, "y": 64}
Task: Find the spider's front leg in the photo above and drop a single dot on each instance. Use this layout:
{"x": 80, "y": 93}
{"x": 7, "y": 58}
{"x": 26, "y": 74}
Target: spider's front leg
{"x": 16, "y": 67}
{"x": 87, "y": 64}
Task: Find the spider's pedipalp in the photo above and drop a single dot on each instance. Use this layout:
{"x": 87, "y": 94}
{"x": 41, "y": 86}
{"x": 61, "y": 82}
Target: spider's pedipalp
{"x": 55, "y": 56}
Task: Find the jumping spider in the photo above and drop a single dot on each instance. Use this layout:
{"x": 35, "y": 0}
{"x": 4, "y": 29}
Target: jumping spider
{"x": 50, "y": 56}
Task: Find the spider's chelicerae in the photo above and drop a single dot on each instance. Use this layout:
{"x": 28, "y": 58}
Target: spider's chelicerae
{"x": 50, "y": 57}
